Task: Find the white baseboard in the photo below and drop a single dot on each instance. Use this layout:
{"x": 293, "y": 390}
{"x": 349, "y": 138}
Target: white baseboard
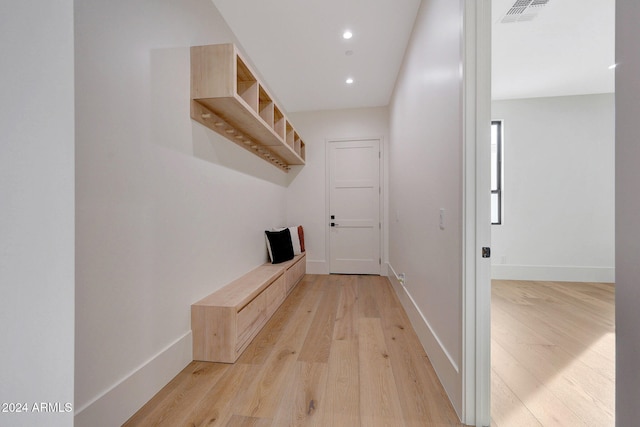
{"x": 317, "y": 267}
{"x": 322, "y": 267}
{"x": 120, "y": 402}
{"x": 384, "y": 269}
{"x": 553, "y": 273}
{"x": 446, "y": 368}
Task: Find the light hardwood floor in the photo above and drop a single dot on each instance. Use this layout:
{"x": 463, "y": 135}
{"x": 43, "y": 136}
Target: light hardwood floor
{"x": 553, "y": 354}
{"x": 340, "y": 351}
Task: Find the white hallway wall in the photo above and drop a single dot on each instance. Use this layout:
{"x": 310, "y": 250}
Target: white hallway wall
{"x": 167, "y": 210}
{"x": 558, "y": 189}
{"x": 36, "y": 209}
{"x": 425, "y": 175}
{"x": 306, "y": 196}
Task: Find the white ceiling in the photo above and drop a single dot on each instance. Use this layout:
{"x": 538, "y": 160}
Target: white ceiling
{"x": 298, "y": 49}
{"x": 565, "y": 50}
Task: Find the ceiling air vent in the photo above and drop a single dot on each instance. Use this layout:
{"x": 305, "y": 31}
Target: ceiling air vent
{"x": 523, "y": 10}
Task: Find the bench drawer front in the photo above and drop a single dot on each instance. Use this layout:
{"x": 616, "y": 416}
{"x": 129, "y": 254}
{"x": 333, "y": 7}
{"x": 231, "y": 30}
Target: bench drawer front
{"x": 251, "y": 318}
{"x": 275, "y": 294}
{"x": 295, "y": 273}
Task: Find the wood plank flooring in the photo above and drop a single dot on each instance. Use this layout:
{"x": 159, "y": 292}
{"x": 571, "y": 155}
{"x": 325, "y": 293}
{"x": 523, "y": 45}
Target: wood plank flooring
{"x": 340, "y": 351}
{"x": 553, "y": 354}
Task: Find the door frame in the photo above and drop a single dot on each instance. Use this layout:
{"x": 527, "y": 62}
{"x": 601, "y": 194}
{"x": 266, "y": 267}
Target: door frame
{"x": 476, "y": 288}
{"x": 327, "y": 206}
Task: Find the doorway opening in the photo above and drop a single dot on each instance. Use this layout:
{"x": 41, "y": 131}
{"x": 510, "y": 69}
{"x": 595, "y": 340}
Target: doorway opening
{"x": 553, "y": 251}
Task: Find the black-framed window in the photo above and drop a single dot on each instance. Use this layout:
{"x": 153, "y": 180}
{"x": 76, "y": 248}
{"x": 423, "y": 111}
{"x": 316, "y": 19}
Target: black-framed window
{"x": 496, "y": 171}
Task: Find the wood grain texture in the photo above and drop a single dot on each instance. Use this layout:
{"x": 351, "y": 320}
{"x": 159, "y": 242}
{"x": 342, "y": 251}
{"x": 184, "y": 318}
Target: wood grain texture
{"x": 345, "y": 327}
{"x": 339, "y": 351}
{"x": 213, "y": 71}
{"x": 379, "y": 401}
{"x": 340, "y": 405}
{"x": 210, "y": 409}
{"x": 180, "y": 396}
{"x": 553, "y": 354}
{"x": 307, "y": 394}
{"x": 241, "y": 291}
{"x": 317, "y": 344}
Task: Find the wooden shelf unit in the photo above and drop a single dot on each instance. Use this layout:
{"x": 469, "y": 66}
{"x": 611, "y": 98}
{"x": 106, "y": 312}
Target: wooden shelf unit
{"x": 227, "y": 97}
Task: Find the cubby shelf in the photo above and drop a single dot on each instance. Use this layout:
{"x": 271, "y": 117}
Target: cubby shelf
{"x": 227, "y": 97}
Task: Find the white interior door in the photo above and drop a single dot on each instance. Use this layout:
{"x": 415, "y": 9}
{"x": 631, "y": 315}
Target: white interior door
{"x": 354, "y": 206}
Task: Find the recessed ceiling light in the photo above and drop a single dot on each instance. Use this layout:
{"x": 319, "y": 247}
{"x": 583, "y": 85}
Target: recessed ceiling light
{"x": 612, "y": 66}
{"x": 349, "y": 81}
{"x": 347, "y": 35}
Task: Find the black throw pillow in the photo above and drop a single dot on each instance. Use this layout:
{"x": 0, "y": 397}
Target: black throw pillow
{"x": 280, "y": 247}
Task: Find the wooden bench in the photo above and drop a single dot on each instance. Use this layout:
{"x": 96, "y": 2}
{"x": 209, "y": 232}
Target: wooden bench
{"x": 224, "y": 323}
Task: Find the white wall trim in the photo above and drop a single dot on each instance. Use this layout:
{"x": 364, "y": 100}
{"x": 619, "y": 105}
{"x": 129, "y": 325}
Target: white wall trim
{"x": 317, "y": 267}
{"x": 322, "y": 267}
{"x": 446, "y": 368}
{"x": 553, "y": 273}
{"x": 476, "y": 287}
{"x": 117, "y": 404}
